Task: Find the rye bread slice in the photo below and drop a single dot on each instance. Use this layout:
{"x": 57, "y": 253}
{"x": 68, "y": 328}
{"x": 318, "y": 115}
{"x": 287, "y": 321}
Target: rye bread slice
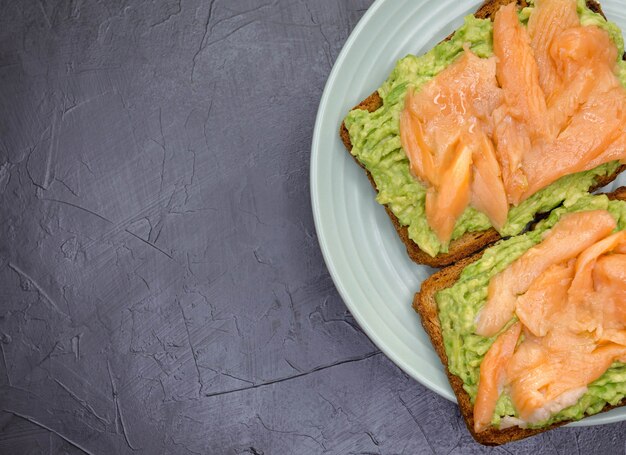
{"x": 470, "y": 242}
{"x": 425, "y": 305}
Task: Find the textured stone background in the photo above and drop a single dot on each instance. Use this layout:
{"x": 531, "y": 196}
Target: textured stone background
{"x": 161, "y": 285}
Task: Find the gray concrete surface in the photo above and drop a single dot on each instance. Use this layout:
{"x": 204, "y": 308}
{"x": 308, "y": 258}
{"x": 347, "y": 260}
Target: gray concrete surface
{"x": 161, "y": 285}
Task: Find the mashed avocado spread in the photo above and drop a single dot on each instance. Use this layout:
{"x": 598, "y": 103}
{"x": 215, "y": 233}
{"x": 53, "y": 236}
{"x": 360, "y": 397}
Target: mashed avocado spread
{"x": 459, "y": 305}
{"x": 376, "y": 139}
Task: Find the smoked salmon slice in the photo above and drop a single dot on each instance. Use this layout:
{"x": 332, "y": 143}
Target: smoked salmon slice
{"x": 568, "y": 293}
{"x": 549, "y": 19}
{"x": 512, "y": 140}
{"x": 583, "y": 283}
{"x": 609, "y": 299}
{"x": 599, "y": 124}
{"x": 609, "y": 272}
{"x": 585, "y": 58}
{"x": 491, "y": 378}
{"x": 547, "y": 104}
{"x": 521, "y": 117}
{"x": 517, "y": 70}
{"x": 615, "y": 152}
{"x": 445, "y": 204}
{"x": 487, "y": 191}
{"x": 438, "y": 131}
{"x": 420, "y": 154}
{"x": 558, "y": 374}
{"x": 545, "y": 298}
{"x": 596, "y": 291}
{"x": 569, "y": 237}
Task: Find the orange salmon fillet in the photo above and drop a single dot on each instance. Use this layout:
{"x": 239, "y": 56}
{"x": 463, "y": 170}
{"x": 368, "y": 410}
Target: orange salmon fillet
{"x": 491, "y": 379}
{"x": 568, "y": 293}
{"x": 491, "y": 132}
{"x": 440, "y": 130}
{"x": 567, "y": 239}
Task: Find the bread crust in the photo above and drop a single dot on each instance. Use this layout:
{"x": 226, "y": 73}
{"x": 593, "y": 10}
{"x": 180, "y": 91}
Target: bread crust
{"x": 470, "y": 242}
{"x": 425, "y": 305}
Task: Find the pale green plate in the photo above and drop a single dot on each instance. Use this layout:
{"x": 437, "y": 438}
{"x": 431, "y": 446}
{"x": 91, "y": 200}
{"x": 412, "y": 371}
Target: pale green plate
{"x": 364, "y": 255}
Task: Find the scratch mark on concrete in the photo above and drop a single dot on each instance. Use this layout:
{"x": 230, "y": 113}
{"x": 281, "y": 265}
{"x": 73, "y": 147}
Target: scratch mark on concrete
{"x": 6, "y": 365}
{"x": 118, "y": 410}
{"x": 145, "y": 282}
{"x": 69, "y": 188}
{"x": 327, "y": 49}
{"x": 82, "y": 402}
{"x": 255, "y": 215}
{"x": 80, "y": 104}
{"x": 419, "y": 425}
{"x": 207, "y": 31}
{"x": 84, "y": 163}
{"x": 49, "y": 354}
{"x": 237, "y": 326}
{"x": 293, "y": 433}
{"x": 193, "y": 351}
{"x": 209, "y": 148}
{"x": 332, "y": 405}
{"x": 169, "y": 16}
{"x": 224, "y": 373}
{"x": 148, "y": 243}
{"x": 80, "y": 208}
{"x": 39, "y": 289}
{"x": 46, "y": 427}
{"x": 45, "y": 15}
{"x": 371, "y": 436}
{"x": 74, "y": 9}
{"x": 247, "y": 12}
{"x": 56, "y": 123}
{"x": 162, "y": 144}
{"x": 299, "y": 375}
{"x": 52, "y": 128}
{"x": 180, "y": 444}
{"x": 230, "y": 33}
{"x": 258, "y": 258}
{"x": 577, "y": 444}
{"x": 293, "y": 366}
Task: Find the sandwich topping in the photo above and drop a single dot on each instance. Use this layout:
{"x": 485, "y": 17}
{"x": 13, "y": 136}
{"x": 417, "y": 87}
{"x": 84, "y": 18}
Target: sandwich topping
{"x": 536, "y": 328}
{"x": 492, "y": 132}
{"x": 403, "y": 188}
{"x": 568, "y": 294}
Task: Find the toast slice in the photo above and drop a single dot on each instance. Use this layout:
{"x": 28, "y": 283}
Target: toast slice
{"x": 425, "y": 305}
{"x": 470, "y": 242}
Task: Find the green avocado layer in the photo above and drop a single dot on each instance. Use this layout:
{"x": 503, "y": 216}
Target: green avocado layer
{"x": 459, "y": 305}
{"x": 376, "y": 140}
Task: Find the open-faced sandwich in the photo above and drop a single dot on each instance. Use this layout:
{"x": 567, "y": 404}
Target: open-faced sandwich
{"x": 519, "y": 113}
{"x": 521, "y": 110}
{"x": 532, "y": 330}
